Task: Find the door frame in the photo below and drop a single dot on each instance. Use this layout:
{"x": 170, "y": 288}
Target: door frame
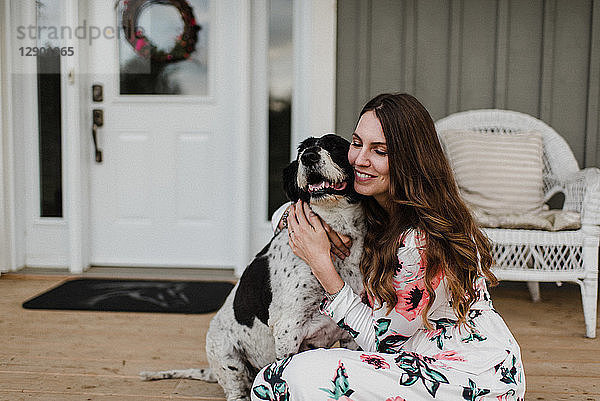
{"x": 314, "y": 31}
{"x": 8, "y": 249}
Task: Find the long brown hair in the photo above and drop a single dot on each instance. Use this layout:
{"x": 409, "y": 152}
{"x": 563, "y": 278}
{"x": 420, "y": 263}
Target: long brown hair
{"x": 423, "y": 195}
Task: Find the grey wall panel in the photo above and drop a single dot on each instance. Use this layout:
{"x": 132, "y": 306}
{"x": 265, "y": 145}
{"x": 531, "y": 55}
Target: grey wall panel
{"x": 386, "y": 46}
{"x": 540, "y": 57}
{"x": 478, "y": 54}
{"x": 431, "y": 66}
{"x": 524, "y": 56}
{"x": 347, "y": 70}
{"x": 570, "y": 73}
{"x": 592, "y": 143}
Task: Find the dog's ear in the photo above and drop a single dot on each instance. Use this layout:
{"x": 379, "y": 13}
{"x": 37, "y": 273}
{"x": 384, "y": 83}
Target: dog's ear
{"x": 290, "y": 181}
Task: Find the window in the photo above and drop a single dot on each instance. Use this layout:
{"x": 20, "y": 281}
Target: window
{"x": 280, "y": 97}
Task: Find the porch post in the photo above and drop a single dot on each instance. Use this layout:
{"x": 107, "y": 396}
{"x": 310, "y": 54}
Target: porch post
{"x": 315, "y": 40}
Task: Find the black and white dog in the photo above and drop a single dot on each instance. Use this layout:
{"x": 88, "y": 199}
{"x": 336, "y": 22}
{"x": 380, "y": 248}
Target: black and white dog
{"x": 273, "y": 310}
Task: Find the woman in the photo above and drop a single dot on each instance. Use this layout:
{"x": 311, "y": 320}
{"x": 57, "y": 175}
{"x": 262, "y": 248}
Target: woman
{"x": 428, "y": 328}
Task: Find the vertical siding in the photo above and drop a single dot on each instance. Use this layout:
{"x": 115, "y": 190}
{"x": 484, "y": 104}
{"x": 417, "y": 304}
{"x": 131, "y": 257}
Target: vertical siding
{"x": 570, "y": 75}
{"x": 592, "y": 155}
{"x": 478, "y": 54}
{"x": 540, "y": 57}
{"x": 348, "y": 97}
{"x": 432, "y": 23}
{"x": 386, "y": 46}
{"x": 524, "y": 56}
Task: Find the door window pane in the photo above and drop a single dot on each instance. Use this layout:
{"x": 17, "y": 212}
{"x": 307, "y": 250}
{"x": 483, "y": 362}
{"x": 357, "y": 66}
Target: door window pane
{"x": 49, "y": 14}
{"x": 163, "y": 47}
{"x": 280, "y": 96}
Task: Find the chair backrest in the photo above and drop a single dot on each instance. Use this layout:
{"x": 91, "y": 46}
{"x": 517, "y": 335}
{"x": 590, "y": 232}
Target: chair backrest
{"x": 558, "y": 157}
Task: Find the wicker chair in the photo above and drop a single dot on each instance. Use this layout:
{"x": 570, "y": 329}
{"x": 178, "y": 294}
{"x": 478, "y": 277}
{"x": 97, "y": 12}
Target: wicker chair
{"x": 535, "y": 255}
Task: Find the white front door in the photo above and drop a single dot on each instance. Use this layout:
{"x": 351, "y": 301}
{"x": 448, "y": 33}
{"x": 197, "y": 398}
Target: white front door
{"x": 167, "y": 191}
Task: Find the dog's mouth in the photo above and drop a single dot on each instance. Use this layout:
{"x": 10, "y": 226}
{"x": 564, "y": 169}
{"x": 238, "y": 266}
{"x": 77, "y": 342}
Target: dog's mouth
{"x": 326, "y": 187}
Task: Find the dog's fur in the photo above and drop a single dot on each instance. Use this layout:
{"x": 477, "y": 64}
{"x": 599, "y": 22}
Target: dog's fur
{"x": 273, "y": 310}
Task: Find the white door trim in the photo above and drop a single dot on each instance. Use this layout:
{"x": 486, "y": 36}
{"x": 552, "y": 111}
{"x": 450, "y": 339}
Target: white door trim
{"x": 8, "y": 251}
{"x": 75, "y": 168}
{"x": 315, "y": 43}
{"x": 259, "y": 129}
{"x": 243, "y": 186}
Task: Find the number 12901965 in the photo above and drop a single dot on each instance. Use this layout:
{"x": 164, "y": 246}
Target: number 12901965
{"x": 41, "y": 51}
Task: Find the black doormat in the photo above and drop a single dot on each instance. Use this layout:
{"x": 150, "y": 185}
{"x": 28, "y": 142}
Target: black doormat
{"x": 134, "y": 296}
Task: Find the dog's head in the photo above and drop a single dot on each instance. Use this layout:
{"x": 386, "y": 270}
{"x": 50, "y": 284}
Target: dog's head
{"x": 321, "y": 173}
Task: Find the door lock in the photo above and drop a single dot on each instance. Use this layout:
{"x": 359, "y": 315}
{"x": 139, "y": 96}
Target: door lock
{"x": 97, "y": 93}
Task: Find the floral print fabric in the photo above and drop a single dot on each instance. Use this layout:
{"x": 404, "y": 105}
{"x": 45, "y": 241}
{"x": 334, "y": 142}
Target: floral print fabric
{"x": 401, "y": 359}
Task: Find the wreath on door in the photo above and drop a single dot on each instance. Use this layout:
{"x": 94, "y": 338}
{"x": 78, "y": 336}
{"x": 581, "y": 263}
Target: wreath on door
{"x": 185, "y": 43}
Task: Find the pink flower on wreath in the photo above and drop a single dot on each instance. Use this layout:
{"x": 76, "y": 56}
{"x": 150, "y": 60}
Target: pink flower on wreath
{"x": 375, "y": 360}
{"x": 398, "y": 398}
{"x": 139, "y": 44}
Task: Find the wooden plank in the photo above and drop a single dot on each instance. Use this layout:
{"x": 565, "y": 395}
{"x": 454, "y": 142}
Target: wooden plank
{"x": 563, "y": 369}
{"x": 538, "y": 396}
{"x": 588, "y": 386}
{"x": 34, "y": 395}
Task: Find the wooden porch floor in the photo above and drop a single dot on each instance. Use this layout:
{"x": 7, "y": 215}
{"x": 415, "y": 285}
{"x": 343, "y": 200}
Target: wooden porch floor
{"x": 70, "y": 355}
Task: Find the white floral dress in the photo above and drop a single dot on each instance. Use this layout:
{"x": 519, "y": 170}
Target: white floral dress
{"x": 401, "y": 360}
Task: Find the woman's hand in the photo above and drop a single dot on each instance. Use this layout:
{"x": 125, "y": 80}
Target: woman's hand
{"x": 310, "y": 242}
{"x": 308, "y": 237}
{"x": 340, "y": 244}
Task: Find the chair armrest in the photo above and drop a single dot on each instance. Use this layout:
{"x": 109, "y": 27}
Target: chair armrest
{"x": 582, "y": 193}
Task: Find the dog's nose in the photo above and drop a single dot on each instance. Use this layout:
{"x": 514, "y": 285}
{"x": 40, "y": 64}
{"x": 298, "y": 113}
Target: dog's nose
{"x": 310, "y": 156}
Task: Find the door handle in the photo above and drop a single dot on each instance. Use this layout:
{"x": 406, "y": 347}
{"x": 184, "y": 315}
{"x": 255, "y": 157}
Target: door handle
{"x": 97, "y": 121}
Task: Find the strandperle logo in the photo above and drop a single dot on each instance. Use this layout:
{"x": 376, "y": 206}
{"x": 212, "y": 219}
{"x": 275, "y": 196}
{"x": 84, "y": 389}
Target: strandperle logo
{"x": 81, "y": 32}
